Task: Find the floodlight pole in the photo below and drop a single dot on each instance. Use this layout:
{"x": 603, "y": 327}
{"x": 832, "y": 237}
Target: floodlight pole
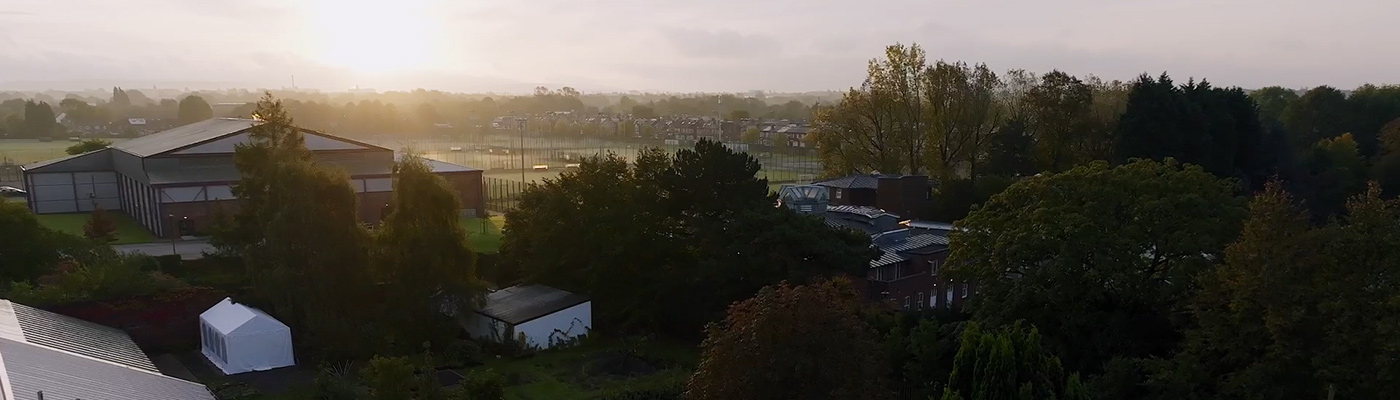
{"x": 521, "y": 123}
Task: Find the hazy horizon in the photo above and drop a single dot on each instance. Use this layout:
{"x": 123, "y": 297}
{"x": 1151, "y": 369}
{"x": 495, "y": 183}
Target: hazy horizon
{"x": 719, "y": 46}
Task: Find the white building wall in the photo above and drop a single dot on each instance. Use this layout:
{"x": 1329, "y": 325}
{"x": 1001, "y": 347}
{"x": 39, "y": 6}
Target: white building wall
{"x": 544, "y": 332}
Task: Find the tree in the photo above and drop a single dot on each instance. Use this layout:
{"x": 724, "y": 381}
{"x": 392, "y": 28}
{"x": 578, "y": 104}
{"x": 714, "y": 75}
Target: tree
{"x": 1322, "y": 112}
{"x": 423, "y": 258}
{"x": 87, "y": 145}
{"x": 1194, "y": 123}
{"x": 738, "y": 115}
{"x": 1298, "y": 310}
{"x": 99, "y": 227}
{"x": 1058, "y": 111}
{"x": 1008, "y": 363}
{"x": 29, "y": 249}
{"x": 299, "y": 235}
{"x": 750, "y": 135}
{"x": 643, "y": 112}
{"x": 1273, "y": 100}
{"x": 39, "y": 119}
{"x": 962, "y": 115}
{"x": 687, "y": 234}
{"x": 788, "y": 333}
{"x": 1371, "y": 108}
{"x": 193, "y": 109}
{"x": 882, "y": 126}
{"x": 1100, "y": 257}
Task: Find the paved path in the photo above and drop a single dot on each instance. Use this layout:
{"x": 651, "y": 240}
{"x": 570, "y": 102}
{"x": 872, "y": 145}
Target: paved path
{"x": 187, "y": 249}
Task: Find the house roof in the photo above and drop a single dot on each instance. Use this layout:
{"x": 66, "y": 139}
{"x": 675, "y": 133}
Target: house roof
{"x": 30, "y": 369}
{"x": 864, "y": 211}
{"x": 184, "y": 136}
{"x": 519, "y": 304}
{"x": 922, "y": 243}
{"x": 68, "y": 358}
{"x": 851, "y": 182}
{"x": 70, "y": 334}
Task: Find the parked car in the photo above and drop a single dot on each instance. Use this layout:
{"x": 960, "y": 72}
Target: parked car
{"x": 11, "y": 191}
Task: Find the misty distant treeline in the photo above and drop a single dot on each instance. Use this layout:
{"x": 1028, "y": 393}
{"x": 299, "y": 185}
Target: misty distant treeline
{"x": 392, "y": 113}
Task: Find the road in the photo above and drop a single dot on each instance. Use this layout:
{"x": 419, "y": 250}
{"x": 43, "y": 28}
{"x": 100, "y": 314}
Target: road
{"x": 187, "y": 249}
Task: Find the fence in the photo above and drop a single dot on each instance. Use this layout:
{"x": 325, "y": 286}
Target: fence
{"x": 10, "y": 173}
{"x": 502, "y": 195}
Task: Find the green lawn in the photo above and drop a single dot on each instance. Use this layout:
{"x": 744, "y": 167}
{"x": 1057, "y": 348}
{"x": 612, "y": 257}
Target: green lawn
{"x": 24, "y": 151}
{"x": 565, "y": 374}
{"x": 484, "y": 235}
{"x": 128, "y": 231}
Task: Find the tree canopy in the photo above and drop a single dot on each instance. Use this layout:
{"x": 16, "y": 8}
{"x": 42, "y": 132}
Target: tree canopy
{"x": 193, "y": 109}
{"x": 668, "y": 242}
{"x": 1098, "y": 256}
{"x": 791, "y": 342}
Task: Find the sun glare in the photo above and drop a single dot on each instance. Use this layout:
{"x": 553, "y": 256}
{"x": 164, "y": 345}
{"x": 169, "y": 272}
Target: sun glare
{"x": 373, "y": 37}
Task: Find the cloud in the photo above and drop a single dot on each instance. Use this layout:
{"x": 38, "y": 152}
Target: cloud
{"x": 4, "y": 13}
{"x": 720, "y": 43}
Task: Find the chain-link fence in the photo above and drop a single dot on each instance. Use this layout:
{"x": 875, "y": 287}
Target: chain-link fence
{"x": 510, "y": 160}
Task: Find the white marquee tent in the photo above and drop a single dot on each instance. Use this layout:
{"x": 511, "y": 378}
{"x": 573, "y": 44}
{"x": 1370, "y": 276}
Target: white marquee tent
{"x": 237, "y": 339}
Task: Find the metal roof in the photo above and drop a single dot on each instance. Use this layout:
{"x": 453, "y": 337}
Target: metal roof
{"x": 96, "y": 159}
{"x": 864, "y": 211}
{"x": 887, "y": 258}
{"x": 851, "y": 182}
{"x": 519, "y": 304}
{"x": 184, "y": 136}
{"x": 30, "y": 369}
{"x": 74, "y": 335}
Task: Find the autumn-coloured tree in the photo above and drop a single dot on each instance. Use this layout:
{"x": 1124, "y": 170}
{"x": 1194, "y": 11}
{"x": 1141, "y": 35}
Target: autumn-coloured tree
{"x": 99, "y": 227}
{"x": 791, "y": 342}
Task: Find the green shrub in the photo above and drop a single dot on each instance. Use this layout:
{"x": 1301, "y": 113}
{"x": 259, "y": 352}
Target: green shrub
{"x": 484, "y": 385}
{"x": 94, "y": 274}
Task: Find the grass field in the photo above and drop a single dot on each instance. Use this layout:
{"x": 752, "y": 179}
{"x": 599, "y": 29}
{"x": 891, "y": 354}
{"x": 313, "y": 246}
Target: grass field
{"x": 484, "y": 234}
{"x": 128, "y": 231}
{"x": 25, "y": 151}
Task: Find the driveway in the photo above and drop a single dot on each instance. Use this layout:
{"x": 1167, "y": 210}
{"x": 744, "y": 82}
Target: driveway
{"x": 193, "y": 249}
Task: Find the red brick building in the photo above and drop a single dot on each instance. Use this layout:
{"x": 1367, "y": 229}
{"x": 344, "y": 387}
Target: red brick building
{"x": 173, "y": 181}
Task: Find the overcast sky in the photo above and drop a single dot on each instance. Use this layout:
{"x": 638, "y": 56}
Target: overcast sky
{"x": 669, "y": 45}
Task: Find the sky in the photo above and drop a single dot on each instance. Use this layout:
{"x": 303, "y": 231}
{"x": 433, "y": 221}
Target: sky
{"x": 678, "y": 46}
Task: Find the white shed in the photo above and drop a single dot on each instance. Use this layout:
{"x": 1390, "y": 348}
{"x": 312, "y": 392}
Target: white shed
{"x": 540, "y": 316}
{"x": 237, "y": 339}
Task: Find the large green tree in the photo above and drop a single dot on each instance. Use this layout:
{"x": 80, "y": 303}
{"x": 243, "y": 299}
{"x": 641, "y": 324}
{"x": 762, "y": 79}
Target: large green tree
{"x": 1273, "y": 100}
{"x": 1296, "y": 310}
{"x": 1057, "y": 111}
{"x": 1196, "y": 123}
{"x": 39, "y": 119}
{"x": 193, "y": 109}
{"x": 87, "y": 145}
{"x": 1321, "y": 112}
{"x": 28, "y": 249}
{"x": 668, "y": 242}
{"x": 791, "y": 342}
{"x": 299, "y": 234}
{"x": 422, "y": 258}
{"x": 1099, "y": 257}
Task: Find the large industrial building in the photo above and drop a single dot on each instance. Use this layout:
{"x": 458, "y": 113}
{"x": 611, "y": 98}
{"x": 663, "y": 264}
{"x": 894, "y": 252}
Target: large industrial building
{"x": 172, "y": 182}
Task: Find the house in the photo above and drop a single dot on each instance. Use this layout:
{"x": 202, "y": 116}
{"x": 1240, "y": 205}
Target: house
{"x": 906, "y": 195}
{"x": 173, "y": 182}
{"x": 908, "y": 270}
{"x": 536, "y": 316}
{"x": 49, "y": 356}
{"x": 794, "y": 134}
{"x": 237, "y": 338}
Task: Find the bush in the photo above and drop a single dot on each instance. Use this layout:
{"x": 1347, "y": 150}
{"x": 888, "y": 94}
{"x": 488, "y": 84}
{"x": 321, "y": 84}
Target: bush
{"x": 92, "y": 275}
{"x": 331, "y": 383}
{"x": 484, "y": 385}
{"x": 235, "y": 391}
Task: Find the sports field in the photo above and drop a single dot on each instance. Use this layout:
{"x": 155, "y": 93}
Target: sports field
{"x": 25, "y": 151}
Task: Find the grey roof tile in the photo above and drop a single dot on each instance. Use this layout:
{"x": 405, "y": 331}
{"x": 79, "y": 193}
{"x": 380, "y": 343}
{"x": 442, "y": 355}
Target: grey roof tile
{"x": 80, "y": 337}
{"x": 183, "y": 136}
{"x": 31, "y": 369}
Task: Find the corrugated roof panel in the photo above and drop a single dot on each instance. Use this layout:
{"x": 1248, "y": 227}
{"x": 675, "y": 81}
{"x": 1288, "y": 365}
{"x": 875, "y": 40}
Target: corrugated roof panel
{"x": 887, "y": 258}
{"x": 80, "y": 337}
{"x": 175, "y": 138}
{"x": 518, "y": 304}
{"x": 31, "y": 369}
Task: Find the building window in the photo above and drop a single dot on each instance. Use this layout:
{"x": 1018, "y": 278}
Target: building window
{"x": 921, "y": 300}
{"x": 906, "y": 302}
{"x": 838, "y": 193}
{"x": 933, "y": 267}
{"x": 964, "y": 290}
